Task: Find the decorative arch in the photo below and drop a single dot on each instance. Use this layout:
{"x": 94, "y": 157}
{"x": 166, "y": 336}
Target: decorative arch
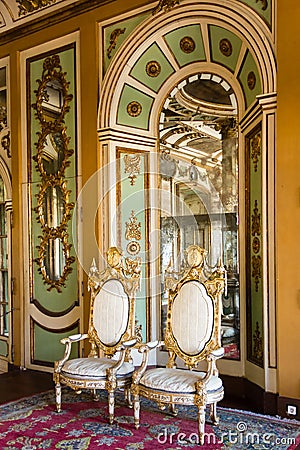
{"x": 250, "y": 34}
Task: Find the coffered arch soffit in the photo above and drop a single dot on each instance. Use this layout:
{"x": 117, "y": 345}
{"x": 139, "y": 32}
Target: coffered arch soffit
{"x": 168, "y": 48}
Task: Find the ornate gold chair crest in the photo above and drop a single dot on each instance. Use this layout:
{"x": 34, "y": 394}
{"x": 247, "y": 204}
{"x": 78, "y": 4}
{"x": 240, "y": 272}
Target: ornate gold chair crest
{"x": 193, "y": 335}
{"x": 111, "y": 332}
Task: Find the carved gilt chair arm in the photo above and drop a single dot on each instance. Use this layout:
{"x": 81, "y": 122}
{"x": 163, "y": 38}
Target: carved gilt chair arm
{"x": 145, "y": 349}
{"x": 68, "y": 341}
{"x": 211, "y": 366}
{"x": 122, "y": 350}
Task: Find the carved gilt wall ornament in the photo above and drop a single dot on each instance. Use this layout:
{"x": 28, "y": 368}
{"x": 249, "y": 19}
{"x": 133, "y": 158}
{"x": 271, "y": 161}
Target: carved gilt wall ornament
{"x": 29, "y": 6}
{"x": 258, "y": 344}
{"x": 132, "y": 166}
{"x": 134, "y": 109}
{"x": 133, "y": 228}
{"x": 153, "y": 68}
{"x": 225, "y": 47}
{"x": 256, "y": 226}
{"x": 114, "y": 36}
{"x": 187, "y": 44}
{"x": 251, "y": 80}
{"x": 165, "y": 5}
{"x": 256, "y": 270}
{"x": 256, "y": 150}
{"x": 133, "y": 248}
{"x": 264, "y": 4}
{"x": 5, "y": 143}
{"x": 52, "y": 158}
{"x": 256, "y": 245}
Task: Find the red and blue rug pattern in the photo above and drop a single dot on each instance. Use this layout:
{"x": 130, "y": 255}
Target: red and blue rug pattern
{"x": 33, "y": 423}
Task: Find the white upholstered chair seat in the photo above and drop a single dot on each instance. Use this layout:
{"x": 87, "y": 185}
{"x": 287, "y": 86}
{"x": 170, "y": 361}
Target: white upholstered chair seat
{"x": 177, "y": 380}
{"x": 94, "y": 368}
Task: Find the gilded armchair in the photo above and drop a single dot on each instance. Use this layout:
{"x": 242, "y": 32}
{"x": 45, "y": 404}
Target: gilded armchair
{"x": 193, "y": 335}
{"x": 111, "y": 333}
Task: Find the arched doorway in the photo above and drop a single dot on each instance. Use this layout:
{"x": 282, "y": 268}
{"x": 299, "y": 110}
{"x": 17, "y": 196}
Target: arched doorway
{"x": 160, "y": 56}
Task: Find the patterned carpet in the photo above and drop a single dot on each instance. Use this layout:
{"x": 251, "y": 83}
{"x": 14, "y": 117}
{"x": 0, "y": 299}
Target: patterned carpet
{"x": 33, "y": 423}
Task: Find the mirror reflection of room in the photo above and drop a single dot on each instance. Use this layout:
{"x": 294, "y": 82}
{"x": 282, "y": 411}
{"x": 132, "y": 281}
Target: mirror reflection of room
{"x": 199, "y": 185}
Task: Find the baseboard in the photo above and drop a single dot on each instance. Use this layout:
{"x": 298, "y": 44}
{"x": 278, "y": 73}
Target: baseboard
{"x": 240, "y": 391}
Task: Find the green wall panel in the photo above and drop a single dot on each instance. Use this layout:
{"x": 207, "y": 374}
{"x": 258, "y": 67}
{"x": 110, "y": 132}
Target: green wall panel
{"x": 219, "y": 37}
{"x": 49, "y": 353}
{"x": 132, "y": 96}
{"x": 254, "y": 249}
{"x": 133, "y": 201}
{"x": 248, "y": 73}
{"x": 156, "y": 59}
{"x": 174, "y": 38}
{"x": 3, "y": 349}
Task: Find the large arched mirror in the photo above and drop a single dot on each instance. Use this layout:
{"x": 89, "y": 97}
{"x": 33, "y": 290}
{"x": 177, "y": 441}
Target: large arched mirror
{"x": 199, "y": 186}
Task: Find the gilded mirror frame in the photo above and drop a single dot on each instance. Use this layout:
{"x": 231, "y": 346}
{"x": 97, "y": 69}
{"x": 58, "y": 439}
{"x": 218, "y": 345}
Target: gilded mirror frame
{"x": 52, "y": 149}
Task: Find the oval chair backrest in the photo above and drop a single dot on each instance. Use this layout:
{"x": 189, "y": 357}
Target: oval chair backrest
{"x": 111, "y": 312}
{"x": 192, "y": 318}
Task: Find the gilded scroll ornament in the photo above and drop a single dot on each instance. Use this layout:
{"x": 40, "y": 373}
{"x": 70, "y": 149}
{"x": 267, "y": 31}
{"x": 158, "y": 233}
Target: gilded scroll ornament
{"x": 256, "y": 245}
{"x": 133, "y": 228}
{"x": 134, "y": 109}
{"x": 29, "y": 6}
{"x": 256, "y": 150}
{"x": 256, "y": 226}
{"x": 165, "y": 5}
{"x": 52, "y": 158}
{"x": 256, "y": 270}
{"x": 138, "y": 331}
{"x": 264, "y": 4}
{"x": 187, "y": 44}
{"x": 251, "y": 80}
{"x": 153, "y": 69}
{"x": 225, "y": 47}
{"x": 258, "y": 344}
{"x": 132, "y": 166}
{"x": 5, "y": 143}
{"x": 114, "y": 36}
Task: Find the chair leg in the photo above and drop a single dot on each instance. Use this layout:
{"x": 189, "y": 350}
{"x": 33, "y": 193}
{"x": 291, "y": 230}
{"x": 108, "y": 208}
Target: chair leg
{"x": 111, "y": 406}
{"x": 173, "y": 410}
{"x": 128, "y": 396}
{"x": 58, "y": 396}
{"x": 136, "y": 411}
{"x": 213, "y": 414}
{"x": 201, "y": 424}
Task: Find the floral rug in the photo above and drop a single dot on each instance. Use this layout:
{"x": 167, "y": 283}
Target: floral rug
{"x": 33, "y": 423}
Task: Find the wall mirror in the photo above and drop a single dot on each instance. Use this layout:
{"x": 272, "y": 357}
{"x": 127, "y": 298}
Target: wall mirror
{"x": 52, "y": 158}
{"x": 199, "y": 186}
